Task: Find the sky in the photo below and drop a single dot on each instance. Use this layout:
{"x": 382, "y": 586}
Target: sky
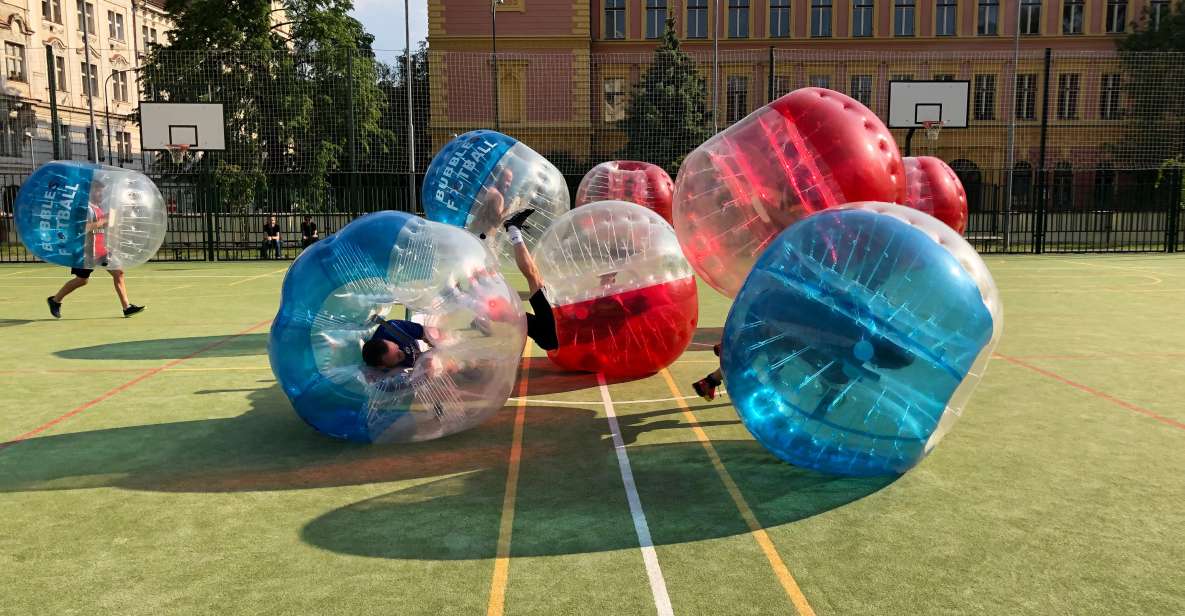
{"x": 384, "y": 20}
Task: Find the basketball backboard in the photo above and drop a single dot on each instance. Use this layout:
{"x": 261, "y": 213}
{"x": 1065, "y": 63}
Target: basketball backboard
{"x": 198, "y": 125}
{"x": 914, "y": 102}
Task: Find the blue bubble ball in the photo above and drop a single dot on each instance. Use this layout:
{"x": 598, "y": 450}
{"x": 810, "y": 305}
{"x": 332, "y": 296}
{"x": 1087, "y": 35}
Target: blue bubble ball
{"x": 90, "y": 216}
{"x": 396, "y": 266}
{"x": 857, "y": 338}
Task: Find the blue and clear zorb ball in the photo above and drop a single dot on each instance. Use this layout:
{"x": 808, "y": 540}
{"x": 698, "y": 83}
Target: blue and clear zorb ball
{"x": 857, "y": 338}
{"x": 90, "y": 216}
{"x": 396, "y": 266}
{"x": 480, "y": 178}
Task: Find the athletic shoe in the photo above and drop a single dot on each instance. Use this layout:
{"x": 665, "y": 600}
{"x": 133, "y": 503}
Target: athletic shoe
{"x": 132, "y": 309}
{"x": 482, "y": 324}
{"x": 705, "y": 388}
{"x": 55, "y": 308}
{"x": 716, "y": 349}
{"x": 517, "y": 219}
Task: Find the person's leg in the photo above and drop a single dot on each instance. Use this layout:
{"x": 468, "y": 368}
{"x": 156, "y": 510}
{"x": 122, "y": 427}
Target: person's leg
{"x": 121, "y": 289}
{"x": 522, "y": 256}
{"x": 71, "y": 285}
{"x": 277, "y": 246}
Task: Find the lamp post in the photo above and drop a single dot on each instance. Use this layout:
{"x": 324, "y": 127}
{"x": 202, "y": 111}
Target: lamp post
{"x": 1010, "y": 163}
{"x": 411, "y": 123}
{"x": 715, "y": 65}
{"x": 494, "y": 56}
{"x": 107, "y": 110}
{"x": 87, "y": 17}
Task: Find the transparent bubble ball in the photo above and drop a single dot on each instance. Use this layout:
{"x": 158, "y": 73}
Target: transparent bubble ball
{"x": 480, "y": 178}
{"x": 807, "y": 151}
{"x": 623, "y": 295}
{"x": 394, "y": 265}
{"x": 858, "y": 337}
{"x": 645, "y": 184}
{"x": 90, "y": 216}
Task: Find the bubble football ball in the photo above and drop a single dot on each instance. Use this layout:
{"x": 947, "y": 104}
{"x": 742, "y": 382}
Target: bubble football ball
{"x": 479, "y": 179}
{"x": 385, "y": 264}
{"x": 809, "y": 150}
{"x": 628, "y": 180}
{"x": 90, "y": 216}
{"x": 858, "y": 337}
{"x": 624, "y": 298}
{"x": 931, "y": 186}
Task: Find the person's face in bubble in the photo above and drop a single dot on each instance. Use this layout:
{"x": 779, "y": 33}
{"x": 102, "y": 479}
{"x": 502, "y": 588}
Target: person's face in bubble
{"x": 505, "y": 180}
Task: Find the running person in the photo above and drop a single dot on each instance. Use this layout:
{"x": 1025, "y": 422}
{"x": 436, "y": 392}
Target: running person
{"x": 96, "y": 247}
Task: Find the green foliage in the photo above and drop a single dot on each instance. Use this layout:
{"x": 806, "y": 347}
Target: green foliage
{"x": 1156, "y": 127}
{"x": 1173, "y": 167}
{"x": 666, "y": 116}
{"x": 298, "y": 85}
{"x": 392, "y": 81}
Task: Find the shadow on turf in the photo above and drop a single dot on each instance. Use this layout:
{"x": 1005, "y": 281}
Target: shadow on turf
{"x": 171, "y": 348}
{"x": 544, "y": 377}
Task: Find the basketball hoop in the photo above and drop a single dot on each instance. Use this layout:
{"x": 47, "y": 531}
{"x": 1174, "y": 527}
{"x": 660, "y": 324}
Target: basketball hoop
{"x": 178, "y": 152}
{"x": 933, "y": 128}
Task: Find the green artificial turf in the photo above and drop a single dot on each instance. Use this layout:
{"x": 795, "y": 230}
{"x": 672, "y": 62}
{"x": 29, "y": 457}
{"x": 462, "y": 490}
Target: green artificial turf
{"x": 177, "y": 480}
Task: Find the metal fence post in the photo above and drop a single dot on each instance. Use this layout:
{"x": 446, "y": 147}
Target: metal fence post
{"x": 1173, "y": 225}
{"x": 1043, "y": 177}
{"x": 55, "y": 129}
{"x": 771, "y": 96}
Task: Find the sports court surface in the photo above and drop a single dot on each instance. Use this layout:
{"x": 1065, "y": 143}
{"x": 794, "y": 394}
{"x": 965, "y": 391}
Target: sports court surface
{"x": 152, "y": 466}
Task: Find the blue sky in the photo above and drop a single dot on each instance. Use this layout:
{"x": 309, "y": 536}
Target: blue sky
{"x": 384, "y": 19}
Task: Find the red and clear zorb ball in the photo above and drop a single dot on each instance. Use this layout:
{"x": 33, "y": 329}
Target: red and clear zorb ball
{"x": 931, "y": 186}
{"x": 634, "y": 181}
{"x": 810, "y": 150}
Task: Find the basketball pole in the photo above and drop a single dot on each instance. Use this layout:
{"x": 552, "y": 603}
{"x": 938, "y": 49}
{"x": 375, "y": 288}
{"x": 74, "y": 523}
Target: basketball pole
{"x": 715, "y": 66}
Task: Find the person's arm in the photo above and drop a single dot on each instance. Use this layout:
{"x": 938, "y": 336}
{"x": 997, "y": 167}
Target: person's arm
{"x": 314, "y": 226}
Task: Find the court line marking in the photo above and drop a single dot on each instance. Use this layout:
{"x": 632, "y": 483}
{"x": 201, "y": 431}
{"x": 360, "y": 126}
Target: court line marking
{"x": 128, "y": 385}
{"x": 1135, "y": 408}
{"x": 14, "y": 273}
{"x": 497, "y": 602}
{"x": 587, "y": 402}
{"x": 658, "y": 585}
{"x": 781, "y": 571}
{"x": 1092, "y": 356}
{"x": 238, "y": 282}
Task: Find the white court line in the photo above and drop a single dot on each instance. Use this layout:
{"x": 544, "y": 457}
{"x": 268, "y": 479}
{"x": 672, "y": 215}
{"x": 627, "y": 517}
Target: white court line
{"x": 584, "y": 402}
{"x": 237, "y": 282}
{"x": 658, "y": 585}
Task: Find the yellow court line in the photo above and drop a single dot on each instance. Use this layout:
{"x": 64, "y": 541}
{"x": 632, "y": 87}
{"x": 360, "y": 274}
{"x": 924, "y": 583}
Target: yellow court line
{"x": 238, "y": 282}
{"x": 789, "y": 584}
{"x": 497, "y": 602}
{"x": 20, "y": 271}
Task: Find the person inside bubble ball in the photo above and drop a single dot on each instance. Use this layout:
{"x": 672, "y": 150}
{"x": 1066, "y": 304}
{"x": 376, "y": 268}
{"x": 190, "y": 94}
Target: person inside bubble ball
{"x": 95, "y": 247}
{"x": 492, "y": 206}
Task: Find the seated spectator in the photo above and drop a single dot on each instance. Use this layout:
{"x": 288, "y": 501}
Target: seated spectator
{"x": 271, "y": 238}
{"x": 308, "y": 232}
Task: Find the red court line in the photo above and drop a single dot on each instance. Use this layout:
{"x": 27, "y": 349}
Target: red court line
{"x": 1094, "y": 392}
{"x": 128, "y": 385}
{"x": 1105, "y": 356}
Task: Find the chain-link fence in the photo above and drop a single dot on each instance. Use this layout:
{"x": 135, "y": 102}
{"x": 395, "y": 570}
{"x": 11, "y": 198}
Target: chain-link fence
{"x": 1064, "y": 150}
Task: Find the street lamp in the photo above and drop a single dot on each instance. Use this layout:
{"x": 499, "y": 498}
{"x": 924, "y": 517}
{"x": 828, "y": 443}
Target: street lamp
{"x": 494, "y": 55}
{"x": 107, "y": 109}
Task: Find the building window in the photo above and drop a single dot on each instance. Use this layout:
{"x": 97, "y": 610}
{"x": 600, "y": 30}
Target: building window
{"x": 1072, "y": 16}
{"x": 945, "y": 19}
{"x": 1109, "y": 97}
{"x": 1067, "y": 96}
{"x": 901, "y": 77}
{"x": 14, "y": 61}
{"x": 697, "y": 18}
{"x": 1157, "y": 11}
{"x": 781, "y": 86}
{"x": 119, "y": 86}
{"x": 862, "y": 11}
{"x": 60, "y": 72}
{"x": 1063, "y": 185}
{"x": 51, "y": 10}
{"x": 92, "y": 84}
{"x": 738, "y": 18}
{"x": 613, "y": 89}
{"x": 820, "y": 81}
{"x": 903, "y": 17}
{"x": 86, "y": 17}
{"x": 1104, "y": 187}
{"x": 1026, "y": 96}
{"x": 944, "y": 77}
{"x": 779, "y": 18}
{"x": 614, "y": 19}
{"x": 1116, "y": 16}
{"x": 1030, "y": 16}
{"x": 989, "y": 14}
{"x": 985, "y": 97}
{"x": 862, "y": 89}
{"x": 123, "y": 141}
{"x": 656, "y": 18}
{"x": 738, "y": 97}
{"x": 820, "y": 18}
{"x": 115, "y": 25}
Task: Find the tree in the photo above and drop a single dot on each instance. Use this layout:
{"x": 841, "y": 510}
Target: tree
{"x": 393, "y": 83}
{"x": 666, "y": 116}
{"x": 285, "y": 77}
{"x": 1155, "y": 126}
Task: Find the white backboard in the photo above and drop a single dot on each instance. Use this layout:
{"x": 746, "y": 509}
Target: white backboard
{"x": 914, "y": 102}
{"x": 198, "y": 125}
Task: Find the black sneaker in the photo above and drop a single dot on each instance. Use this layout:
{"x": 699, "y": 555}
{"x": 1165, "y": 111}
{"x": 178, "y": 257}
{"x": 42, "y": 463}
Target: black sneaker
{"x": 716, "y": 349}
{"x": 55, "y": 308}
{"x": 706, "y": 388}
{"x": 517, "y": 219}
{"x": 132, "y": 309}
